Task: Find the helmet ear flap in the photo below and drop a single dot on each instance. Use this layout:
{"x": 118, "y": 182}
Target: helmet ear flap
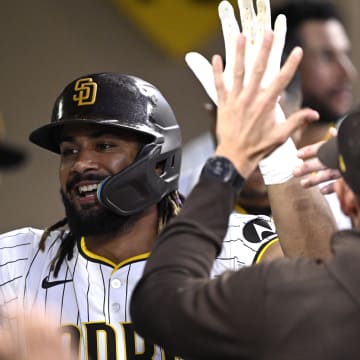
{"x": 136, "y": 187}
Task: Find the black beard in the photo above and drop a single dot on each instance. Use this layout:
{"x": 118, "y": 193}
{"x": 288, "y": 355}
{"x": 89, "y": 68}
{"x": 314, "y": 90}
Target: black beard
{"x": 97, "y": 222}
{"x": 326, "y": 115}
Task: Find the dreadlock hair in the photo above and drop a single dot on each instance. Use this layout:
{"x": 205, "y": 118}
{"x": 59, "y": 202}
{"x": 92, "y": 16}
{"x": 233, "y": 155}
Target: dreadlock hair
{"x": 168, "y": 207}
{"x": 48, "y": 230}
{"x": 65, "y": 249}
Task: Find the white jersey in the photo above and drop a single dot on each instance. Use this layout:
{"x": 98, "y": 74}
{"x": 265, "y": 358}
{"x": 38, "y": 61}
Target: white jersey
{"x": 90, "y": 297}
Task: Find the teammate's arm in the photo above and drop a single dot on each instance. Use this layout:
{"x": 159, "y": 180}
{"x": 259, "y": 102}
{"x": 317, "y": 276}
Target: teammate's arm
{"x": 304, "y": 222}
{"x": 303, "y": 219}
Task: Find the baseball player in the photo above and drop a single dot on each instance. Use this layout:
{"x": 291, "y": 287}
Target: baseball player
{"x": 119, "y": 146}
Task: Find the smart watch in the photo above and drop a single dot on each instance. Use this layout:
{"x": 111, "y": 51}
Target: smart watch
{"x": 223, "y": 170}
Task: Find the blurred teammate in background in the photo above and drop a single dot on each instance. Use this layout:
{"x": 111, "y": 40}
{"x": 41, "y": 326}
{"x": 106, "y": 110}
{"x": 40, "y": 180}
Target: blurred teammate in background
{"x": 327, "y": 72}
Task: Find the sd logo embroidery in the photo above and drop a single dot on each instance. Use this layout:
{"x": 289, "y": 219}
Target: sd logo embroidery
{"x": 86, "y": 90}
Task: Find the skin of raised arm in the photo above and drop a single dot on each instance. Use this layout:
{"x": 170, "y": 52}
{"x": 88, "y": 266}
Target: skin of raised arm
{"x": 303, "y": 219}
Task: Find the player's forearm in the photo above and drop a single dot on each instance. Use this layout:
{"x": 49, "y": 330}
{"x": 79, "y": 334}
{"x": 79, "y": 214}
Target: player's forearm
{"x": 303, "y": 219}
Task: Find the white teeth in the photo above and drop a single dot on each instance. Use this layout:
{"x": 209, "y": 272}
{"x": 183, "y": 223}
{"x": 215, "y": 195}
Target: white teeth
{"x": 87, "y": 188}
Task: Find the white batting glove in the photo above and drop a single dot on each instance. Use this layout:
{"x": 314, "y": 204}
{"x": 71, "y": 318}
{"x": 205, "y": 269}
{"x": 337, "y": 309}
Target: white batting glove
{"x": 202, "y": 68}
{"x": 278, "y": 166}
{"x": 254, "y": 27}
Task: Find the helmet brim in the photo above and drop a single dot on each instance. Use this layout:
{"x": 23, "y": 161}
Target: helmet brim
{"x": 49, "y": 135}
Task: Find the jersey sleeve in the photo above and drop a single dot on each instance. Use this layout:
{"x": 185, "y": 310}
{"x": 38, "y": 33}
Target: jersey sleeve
{"x": 247, "y": 239}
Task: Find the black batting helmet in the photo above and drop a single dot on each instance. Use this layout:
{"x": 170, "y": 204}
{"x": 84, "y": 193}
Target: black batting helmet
{"x": 128, "y": 102}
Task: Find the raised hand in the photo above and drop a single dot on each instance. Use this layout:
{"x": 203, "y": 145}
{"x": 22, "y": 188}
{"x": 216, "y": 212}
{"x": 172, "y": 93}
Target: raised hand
{"x": 247, "y": 126}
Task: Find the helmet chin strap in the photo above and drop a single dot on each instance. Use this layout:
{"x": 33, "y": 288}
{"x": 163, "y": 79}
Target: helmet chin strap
{"x": 136, "y": 187}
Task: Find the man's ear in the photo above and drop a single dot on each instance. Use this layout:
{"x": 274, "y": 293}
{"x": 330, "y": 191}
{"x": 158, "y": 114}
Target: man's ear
{"x": 348, "y": 200}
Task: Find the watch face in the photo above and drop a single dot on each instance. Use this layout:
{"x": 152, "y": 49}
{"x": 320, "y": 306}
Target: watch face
{"x": 222, "y": 169}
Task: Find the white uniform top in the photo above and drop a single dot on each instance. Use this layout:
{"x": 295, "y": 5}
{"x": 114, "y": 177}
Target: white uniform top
{"x": 91, "y": 295}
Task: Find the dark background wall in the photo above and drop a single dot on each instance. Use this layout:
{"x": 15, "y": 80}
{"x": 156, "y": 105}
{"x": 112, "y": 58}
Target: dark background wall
{"x": 45, "y": 44}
